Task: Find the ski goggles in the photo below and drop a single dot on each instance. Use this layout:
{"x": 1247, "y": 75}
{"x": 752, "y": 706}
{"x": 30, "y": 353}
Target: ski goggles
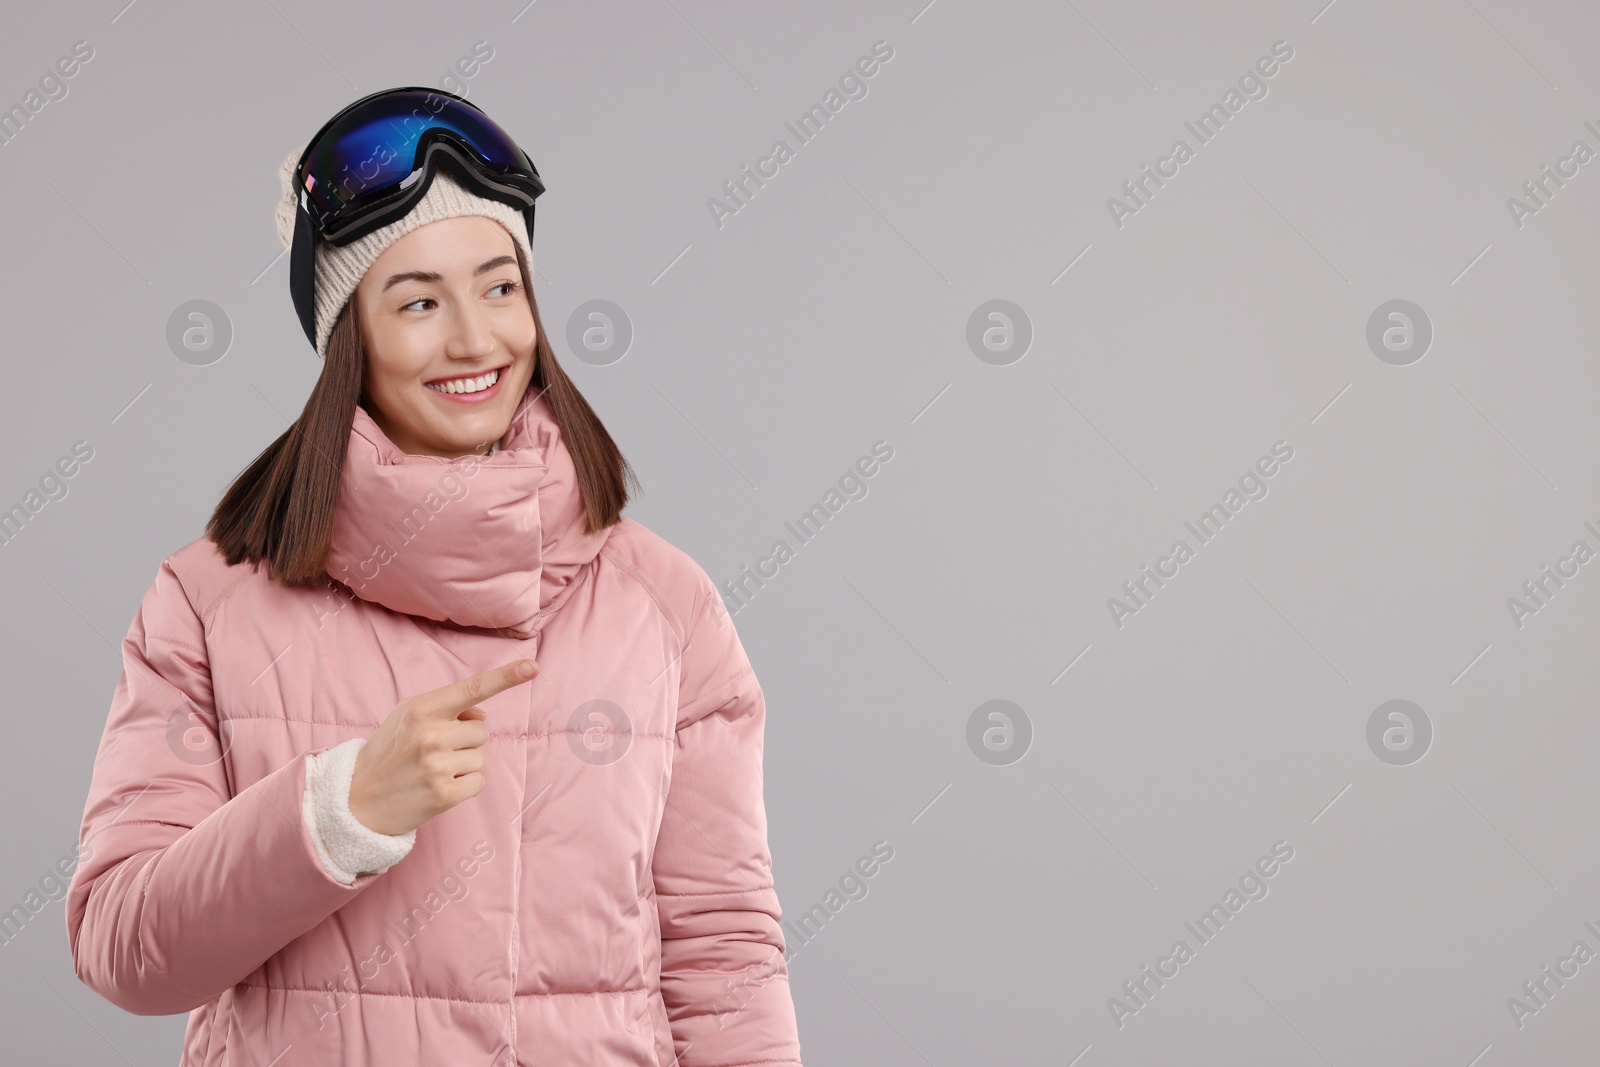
{"x": 369, "y": 164}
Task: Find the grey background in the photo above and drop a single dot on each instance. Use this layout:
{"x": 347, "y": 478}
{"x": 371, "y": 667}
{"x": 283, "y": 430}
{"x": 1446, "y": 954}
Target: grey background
{"x": 831, "y": 312}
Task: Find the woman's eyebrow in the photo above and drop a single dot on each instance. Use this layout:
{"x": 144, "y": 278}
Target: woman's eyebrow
{"x": 432, "y": 276}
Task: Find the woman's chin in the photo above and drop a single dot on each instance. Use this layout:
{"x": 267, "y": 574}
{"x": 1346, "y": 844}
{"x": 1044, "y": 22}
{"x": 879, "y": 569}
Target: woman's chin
{"x": 468, "y": 433}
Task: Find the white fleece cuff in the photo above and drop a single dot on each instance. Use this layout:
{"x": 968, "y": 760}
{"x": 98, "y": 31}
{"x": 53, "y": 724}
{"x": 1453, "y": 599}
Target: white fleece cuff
{"x": 348, "y": 849}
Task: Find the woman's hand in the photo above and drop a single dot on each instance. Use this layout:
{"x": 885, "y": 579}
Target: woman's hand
{"x": 427, "y": 757}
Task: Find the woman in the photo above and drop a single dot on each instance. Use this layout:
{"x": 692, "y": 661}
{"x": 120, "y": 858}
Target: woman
{"x": 337, "y": 813}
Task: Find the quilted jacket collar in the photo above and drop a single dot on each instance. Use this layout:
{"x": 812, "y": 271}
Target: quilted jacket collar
{"x": 486, "y": 541}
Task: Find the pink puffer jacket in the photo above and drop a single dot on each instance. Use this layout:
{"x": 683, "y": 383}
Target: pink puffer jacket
{"x": 607, "y": 899}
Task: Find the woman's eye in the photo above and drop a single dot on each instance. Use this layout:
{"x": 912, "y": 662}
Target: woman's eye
{"x": 509, "y": 287}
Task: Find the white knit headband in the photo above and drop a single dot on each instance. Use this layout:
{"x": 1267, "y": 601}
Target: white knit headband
{"x": 341, "y": 268}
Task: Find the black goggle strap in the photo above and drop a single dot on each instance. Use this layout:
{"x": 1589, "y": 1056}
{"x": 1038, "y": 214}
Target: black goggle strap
{"x": 302, "y": 274}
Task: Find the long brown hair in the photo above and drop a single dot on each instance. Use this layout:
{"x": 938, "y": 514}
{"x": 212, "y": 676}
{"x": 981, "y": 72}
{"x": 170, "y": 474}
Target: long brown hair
{"x": 280, "y": 509}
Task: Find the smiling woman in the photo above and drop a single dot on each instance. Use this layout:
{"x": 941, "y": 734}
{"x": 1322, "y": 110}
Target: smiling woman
{"x": 331, "y": 763}
{"x": 431, "y": 297}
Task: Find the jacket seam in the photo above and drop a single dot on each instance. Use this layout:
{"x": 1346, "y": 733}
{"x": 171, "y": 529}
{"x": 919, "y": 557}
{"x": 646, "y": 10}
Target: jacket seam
{"x": 458, "y": 1000}
{"x": 567, "y": 592}
{"x": 210, "y": 609}
{"x": 492, "y": 735}
{"x": 650, "y": 587}
{"x": 717, "y": 691}
{"x": 181, "y": 644}
{"x": 722, "y": 892}
{"x": 144, "y": 894}
{"x": 149, "y": 822}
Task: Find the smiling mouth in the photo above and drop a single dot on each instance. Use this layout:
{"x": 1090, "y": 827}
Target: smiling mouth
{"x": 476, "y": 384}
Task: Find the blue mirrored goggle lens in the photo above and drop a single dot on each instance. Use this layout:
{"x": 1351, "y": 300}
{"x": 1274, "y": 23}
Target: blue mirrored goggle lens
{"x": 373, "y": 146}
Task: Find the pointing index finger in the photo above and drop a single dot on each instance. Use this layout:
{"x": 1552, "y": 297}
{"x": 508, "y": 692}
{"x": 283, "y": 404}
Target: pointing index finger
{"x": 456, "y": 697}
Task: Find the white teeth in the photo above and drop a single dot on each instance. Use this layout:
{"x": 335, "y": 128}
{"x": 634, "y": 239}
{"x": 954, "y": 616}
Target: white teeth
{"x": 466, "y": 385}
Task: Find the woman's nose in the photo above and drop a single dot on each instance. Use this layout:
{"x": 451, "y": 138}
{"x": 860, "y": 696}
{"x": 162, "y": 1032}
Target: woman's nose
{"x": 472, "y": 330}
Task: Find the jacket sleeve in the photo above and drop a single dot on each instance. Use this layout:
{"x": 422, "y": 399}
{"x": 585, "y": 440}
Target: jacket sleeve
{"x": 724, "y": 978}
{"x": 182, "y": 888}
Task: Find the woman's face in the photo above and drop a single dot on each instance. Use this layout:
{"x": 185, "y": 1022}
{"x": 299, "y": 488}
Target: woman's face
{"x": 442, "y": 304}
